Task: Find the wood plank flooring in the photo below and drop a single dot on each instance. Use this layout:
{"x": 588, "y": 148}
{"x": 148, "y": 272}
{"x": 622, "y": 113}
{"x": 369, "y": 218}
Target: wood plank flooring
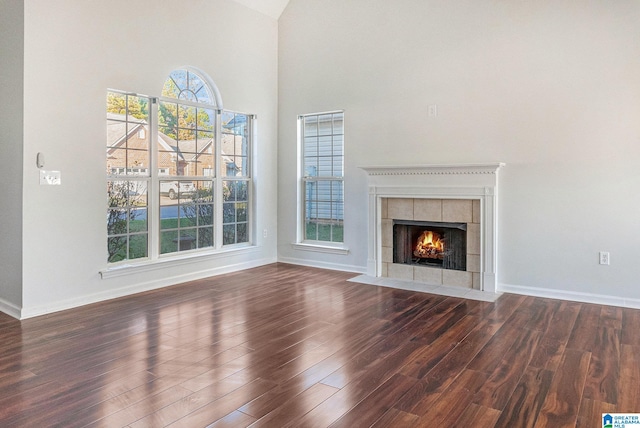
{"x": 289, "y": 346}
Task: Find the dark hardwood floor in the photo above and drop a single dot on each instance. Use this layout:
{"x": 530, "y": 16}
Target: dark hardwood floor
{"x": 289, "y": 346}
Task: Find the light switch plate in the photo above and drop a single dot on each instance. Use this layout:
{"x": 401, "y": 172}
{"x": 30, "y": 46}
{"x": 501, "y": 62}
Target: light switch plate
{"x": 50, "y": 178}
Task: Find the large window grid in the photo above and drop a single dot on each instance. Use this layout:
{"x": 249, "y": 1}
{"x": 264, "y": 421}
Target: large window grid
{"x": 323, "y": 176}
{"x": 186, "y": 152}
{"x": 198, "y": 192}
{"x": 128, "y": 158}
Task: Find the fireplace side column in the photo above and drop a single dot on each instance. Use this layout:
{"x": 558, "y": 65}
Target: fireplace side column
{"x": 373, "y": 243}
{"x": 489, "y": 238}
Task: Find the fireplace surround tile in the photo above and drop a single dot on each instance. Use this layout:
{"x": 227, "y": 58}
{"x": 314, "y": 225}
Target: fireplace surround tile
{"x": 473, "y": 238}
{"x": 476, "y": 281}
{"x": 427, "y": 209}
{"x": 476, "y": 211}
{"x": 400, "y": 208}
{"x": 457, "y": 210}
{"x": 457, "y": 278}
{"x": 384, "y": 208}
{"x": 427, "y": 275}
{"x": 387, "y": 232}
{"x": 387, "y": 255}
{"x": 473, "y": 263}
{"x": 399, "y": 271}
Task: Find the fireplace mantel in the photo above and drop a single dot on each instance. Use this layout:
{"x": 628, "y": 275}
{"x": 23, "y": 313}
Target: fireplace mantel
{"x": 489, "y": 168}
{"x": 443, "y": 181}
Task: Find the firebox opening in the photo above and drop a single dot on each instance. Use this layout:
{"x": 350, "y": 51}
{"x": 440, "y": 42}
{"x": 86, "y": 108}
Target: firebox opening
{"x": 435, "y": 244}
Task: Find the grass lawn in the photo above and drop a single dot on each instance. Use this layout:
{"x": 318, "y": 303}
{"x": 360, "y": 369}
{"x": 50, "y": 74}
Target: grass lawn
{"x": 329, "y": 232}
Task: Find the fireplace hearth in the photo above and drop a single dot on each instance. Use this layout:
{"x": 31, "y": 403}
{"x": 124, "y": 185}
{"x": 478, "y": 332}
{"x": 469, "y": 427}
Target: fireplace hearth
{"x": 433, "y": 244}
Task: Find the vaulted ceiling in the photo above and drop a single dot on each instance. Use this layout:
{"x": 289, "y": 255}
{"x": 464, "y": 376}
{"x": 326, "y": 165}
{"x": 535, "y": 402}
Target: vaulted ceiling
{"x": 272, "y": 8}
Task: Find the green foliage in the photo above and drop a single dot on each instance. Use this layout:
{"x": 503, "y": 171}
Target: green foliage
{"x": 124, "y": 104}
{"x": 182, "y": 122}
{"x": 122, "y": 221}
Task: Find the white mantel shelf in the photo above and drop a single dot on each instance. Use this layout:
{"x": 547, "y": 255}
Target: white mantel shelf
{"x": 442, "y": 169}
{"x": 441, "y": 181}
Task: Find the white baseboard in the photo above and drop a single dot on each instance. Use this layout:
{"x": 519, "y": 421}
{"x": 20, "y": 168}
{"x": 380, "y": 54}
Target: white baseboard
{"x": 9, "y": 309}
{"x": 323, "y": 265}
{"x": 137, "y": 288}
{"x": 576, "y": 296}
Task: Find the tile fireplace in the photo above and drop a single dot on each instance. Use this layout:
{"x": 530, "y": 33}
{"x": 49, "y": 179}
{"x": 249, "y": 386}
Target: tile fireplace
{"x": 435, "y": 224}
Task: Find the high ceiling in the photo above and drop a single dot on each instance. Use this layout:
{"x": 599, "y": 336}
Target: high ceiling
{"x": 272, "y": 8}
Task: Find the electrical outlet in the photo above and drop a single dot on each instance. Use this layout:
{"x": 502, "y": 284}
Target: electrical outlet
{"x": 50, "y": 178}
{"x": 604, "y": 258}
{"x": 265, "y": 233}
{"x": 433, "y": 110}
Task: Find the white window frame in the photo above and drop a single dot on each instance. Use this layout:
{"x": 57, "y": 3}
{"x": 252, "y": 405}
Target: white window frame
{"x": 155, "y": 176}
{"x": 302, "y": 243}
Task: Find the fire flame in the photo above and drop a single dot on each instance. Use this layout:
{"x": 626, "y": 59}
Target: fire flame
{"x": 429, "y": 246}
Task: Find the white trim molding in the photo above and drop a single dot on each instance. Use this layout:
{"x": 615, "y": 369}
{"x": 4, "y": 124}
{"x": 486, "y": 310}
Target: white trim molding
{"x": 451, "y": 181}
{"x": 575, "y": 296}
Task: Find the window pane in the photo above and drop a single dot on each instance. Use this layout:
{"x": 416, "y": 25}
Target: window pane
{"x": 324, "y": 166}
{"x": 310, "y": 147}
{"x": 205, "y": 237}
{"x": 228, "y": 212}
{"x": 187, "y": 239}
{"x": 229, "y": 234}
{"x": 186, "y": 117}
{"x": 325, "y": 146}
{"x": 188, "y": 215}
{"x": 138, "y": 220}
{"x": 243, "y": 191}
{"x": 170, "y": 89}
{"x": 338, "y": 145}
{"x": 206, "y": 119}
{"x": 116, "y": 161}
{"x": 322, "y": 152}
{"x": 206, "y": 142}
{"x": 311, "y": 230}
{"x": 167, "y": 117}
{"x": 138, "y": 246}
{"x": 241, "y": 209}
{"x": 325, "y": 125}
{"x": 311, "y": 167}
{"x": 311, "y": 126}
{"x": 117, "y": 221}
{"x": 117, "y": 249}
{"x": 169, "y": 242}
{"x": 338, "y": 166}
{"x": 338, "y": 124}
{"x": 242, "y": 233}
{"x": 205, "y": 214}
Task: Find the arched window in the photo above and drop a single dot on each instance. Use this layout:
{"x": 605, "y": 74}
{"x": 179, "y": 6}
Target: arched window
{"x": 189, "y": 84}
{"x": 198, "y": 193}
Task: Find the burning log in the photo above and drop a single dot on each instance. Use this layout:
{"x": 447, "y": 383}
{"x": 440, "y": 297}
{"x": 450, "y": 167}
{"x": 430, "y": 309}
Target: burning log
{"x": 429, "y": 246}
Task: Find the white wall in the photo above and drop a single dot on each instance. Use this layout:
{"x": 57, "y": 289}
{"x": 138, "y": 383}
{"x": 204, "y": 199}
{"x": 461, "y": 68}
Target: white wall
{"x": 75, "y": 50}
{"x": 552, "y": 88}
{"x": 11, "y": 122}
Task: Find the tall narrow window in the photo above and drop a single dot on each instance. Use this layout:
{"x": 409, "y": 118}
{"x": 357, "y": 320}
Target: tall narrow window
{"x": 186, "y": 156}
{"x": 235, "y": 170}
{"x": 127, "y": 176}
{"x": 323, "y": 176}
{"x": 178, "y": 171}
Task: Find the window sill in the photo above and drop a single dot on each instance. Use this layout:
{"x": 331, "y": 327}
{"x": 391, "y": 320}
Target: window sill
{"x": 172, "y": 261}
{"x": 320, "y": 248}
